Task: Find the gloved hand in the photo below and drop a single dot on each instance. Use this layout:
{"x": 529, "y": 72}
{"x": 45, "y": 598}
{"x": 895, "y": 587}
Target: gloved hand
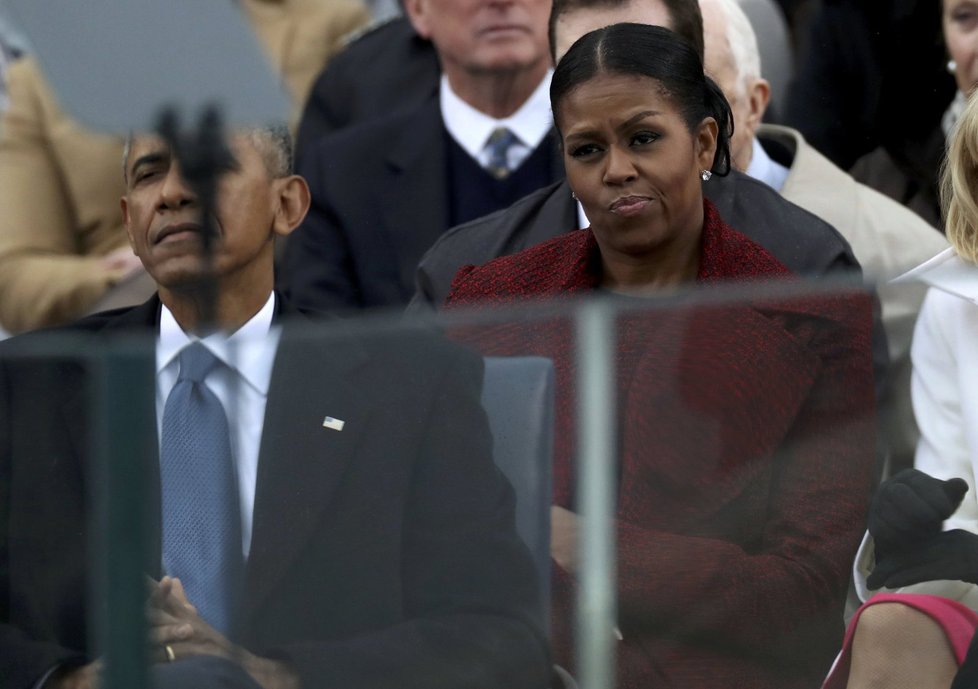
{"x": 947, "y": 555}
{"x": 967, "y": 677}
{"x": 910, "y": 508}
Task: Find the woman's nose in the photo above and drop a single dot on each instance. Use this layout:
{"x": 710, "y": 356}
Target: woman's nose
{"x": 618, "y": 166}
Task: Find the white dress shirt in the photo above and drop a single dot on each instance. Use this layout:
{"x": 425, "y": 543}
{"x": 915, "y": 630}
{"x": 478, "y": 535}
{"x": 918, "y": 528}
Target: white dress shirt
{"x": 766, "y": 170}
{"x": 471, "y": 128}
{"x": 241, "y": 386}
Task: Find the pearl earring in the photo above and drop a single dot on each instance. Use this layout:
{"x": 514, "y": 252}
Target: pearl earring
{"x": 705, "y": 175}
{"x": 574, "y": 196}
{"x": 952, "y": 66}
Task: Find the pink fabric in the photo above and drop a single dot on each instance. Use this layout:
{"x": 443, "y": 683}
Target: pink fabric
{"x": 958, "y": 622}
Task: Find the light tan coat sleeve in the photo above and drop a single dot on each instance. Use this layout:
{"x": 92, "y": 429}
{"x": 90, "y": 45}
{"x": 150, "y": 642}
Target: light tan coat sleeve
{"x": 59, "y": 194}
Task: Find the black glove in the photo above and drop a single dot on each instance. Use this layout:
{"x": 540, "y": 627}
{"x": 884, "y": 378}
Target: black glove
{"x": 949, "y": 555}
{"x": 910, "y": 508}
{"x": 967, "y": 677}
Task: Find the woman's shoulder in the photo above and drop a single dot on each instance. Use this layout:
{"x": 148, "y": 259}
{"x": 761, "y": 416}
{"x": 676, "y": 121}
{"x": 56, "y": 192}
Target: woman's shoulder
{"x": 558, "y": 265}
{"x": 729, "y": 254}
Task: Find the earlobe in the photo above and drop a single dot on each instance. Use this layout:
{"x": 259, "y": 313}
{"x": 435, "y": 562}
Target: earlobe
{"x": 760, "y": 96}
{"x": 294, "y": 200}
{"x": 124, "y": 205}
{"x": 706, "y": 142}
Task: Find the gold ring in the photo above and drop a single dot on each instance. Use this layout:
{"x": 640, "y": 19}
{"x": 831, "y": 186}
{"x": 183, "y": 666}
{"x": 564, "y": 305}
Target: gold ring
{"x": 170, "y": 655}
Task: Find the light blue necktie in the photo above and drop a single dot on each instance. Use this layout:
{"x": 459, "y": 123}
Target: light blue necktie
{"x": 498, "y": 145}
{"x": 201, "y": 518}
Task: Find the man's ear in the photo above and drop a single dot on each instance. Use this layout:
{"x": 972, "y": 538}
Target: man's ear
{"x": 706, "y": 143}
{"x": 293, "y": 204}
{"x": 758, "y": 97}
{"x": 417, "y": 13}
{"x": 124, "y": 204}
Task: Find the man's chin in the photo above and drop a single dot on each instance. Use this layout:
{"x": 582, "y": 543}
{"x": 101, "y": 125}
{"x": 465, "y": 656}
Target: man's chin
{"x": 185, "y": 279}
{"x": 504, "y": 57}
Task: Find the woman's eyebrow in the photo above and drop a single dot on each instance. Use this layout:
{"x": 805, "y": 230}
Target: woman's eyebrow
{"x": 638, "y": 117}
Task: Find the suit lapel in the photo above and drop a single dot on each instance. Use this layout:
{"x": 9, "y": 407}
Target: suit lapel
{"x": 417, "y": 211}
{"x": 134, "y": 321}
{"x": 301, "y": 462}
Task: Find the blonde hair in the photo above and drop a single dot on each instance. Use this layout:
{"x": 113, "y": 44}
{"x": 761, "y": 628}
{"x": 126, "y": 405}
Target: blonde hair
{"x": 959, "y": 185}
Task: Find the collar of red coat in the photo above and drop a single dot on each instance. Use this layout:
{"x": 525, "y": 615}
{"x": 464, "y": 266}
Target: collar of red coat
{"x": 570, "y": 263}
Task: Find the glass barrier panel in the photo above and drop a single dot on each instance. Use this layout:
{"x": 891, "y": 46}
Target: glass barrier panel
{"x": 615, "y": 491}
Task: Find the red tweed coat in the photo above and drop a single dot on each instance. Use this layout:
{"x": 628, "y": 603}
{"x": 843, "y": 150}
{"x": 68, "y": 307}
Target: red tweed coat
{"x": 746, "y": 454}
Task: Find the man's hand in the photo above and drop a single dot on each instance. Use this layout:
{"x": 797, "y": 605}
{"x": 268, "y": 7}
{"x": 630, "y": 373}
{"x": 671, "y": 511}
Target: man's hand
{"x": 175, "y": 624}
{"x": 949, "y": 555}
{"x": 563, "y": 538}
{"x": 910, "y": 508}
{"x": 83, "y": 677}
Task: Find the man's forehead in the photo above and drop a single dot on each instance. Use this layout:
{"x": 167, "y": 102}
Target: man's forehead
{"x": 154, "y": 145}
{"x": 579, "y": 21}
{"x": 142, "y": 144}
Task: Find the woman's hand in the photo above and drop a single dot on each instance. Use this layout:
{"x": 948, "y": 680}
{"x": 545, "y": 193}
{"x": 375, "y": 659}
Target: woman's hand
{"x": 951, "y": 555}
{"x": 563, "y": 538}
{"x": 910, "y": 508}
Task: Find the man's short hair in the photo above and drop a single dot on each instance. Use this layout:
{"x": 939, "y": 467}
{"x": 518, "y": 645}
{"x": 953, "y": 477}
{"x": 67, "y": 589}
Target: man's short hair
{"x": 741, "y": 43}
{"x": 273, "y": 141}
{"x": 687, "y": 21}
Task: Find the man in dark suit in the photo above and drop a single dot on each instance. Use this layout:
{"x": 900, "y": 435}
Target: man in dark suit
{"x": 384, "y": 191}
{"x": 380, "y": 549}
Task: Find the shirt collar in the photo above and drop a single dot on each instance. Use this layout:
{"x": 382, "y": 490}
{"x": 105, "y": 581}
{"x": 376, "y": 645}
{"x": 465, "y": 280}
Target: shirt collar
{"x": 250, "y": 350}
{"x": 763, "y": 168}
{"x": 947, "y": 272}
{"x": 471, "y": 128}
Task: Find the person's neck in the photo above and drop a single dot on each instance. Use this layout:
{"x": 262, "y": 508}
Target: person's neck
{"x": 665, "y": 269}
{"x": 231, "y": 308}
{"x": 496, "y": 94}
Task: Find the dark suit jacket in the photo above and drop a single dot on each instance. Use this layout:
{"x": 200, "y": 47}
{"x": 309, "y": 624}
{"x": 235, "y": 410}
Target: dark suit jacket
{"x": 859, "y": 62}
{"x": 382, "y": 556}
{"x": 387, "y": 69}
{"x": 746, "y": 456}
{"x": 380, "y": 199}
{"x": 805, "y": 244}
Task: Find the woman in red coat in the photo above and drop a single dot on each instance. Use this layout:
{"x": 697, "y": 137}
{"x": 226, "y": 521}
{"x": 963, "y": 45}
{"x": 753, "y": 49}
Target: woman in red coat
{"x": 746, "y": 447}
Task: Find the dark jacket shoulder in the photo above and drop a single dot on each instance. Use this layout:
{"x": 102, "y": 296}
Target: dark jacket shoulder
{"x": 388, "y": 67}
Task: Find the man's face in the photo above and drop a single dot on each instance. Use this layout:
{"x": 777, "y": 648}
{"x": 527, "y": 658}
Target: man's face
{"x": 163, "y": 216}
{"x": 484, "y": 36}
{"x": 575, "y": 23}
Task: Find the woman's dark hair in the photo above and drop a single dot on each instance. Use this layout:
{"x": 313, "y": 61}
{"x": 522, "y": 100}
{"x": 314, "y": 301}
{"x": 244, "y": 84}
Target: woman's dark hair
{"x": 657, "y": 53}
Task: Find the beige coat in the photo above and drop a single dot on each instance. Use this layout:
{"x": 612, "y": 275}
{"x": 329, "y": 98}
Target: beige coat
{"x": 60, "y": 184}
{"x": 887, "y": 240}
